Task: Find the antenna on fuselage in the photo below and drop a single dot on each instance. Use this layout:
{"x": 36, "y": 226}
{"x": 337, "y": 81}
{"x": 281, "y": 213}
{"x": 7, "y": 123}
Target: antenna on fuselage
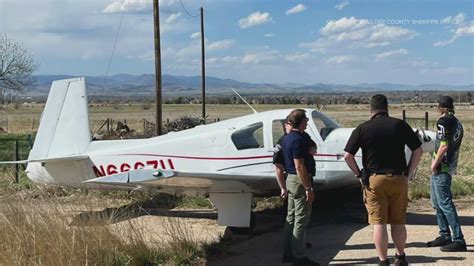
{"x": 254, "y": 111}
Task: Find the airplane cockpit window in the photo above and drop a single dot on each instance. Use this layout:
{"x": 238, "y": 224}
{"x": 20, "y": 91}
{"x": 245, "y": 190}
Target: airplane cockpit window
{"x": 324, "y": 124}
{"x": 249, "y": 137}
{"x": 278, "y": 130}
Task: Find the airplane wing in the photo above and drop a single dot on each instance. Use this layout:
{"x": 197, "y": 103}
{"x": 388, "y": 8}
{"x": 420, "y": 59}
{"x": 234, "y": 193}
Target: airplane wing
{"x": 189, "y": 180}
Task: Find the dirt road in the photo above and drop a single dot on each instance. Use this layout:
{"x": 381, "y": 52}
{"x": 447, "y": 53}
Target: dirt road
{"x": 339, "y": 238}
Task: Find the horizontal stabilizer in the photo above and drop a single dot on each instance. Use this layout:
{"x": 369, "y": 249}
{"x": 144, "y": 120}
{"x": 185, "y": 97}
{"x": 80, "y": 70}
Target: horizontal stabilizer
{"x": 54, "y": 159}
{"x": 15, "y": 162}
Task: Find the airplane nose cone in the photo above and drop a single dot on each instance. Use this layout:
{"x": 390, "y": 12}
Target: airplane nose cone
{"x": 428, "y": 140}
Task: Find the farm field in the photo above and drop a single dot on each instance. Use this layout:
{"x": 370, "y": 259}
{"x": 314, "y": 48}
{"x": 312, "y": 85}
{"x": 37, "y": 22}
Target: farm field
{"x": 25, "y": 117}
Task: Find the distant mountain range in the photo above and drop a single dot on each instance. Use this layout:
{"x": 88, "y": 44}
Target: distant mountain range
{"x": 142, "y": 85}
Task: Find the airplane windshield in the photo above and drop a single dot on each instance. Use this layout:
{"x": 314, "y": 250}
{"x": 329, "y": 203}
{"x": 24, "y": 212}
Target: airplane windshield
{"x": 323, "y": 123}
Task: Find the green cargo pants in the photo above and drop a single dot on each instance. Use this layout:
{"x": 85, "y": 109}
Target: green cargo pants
{"x": 298, "y": 216}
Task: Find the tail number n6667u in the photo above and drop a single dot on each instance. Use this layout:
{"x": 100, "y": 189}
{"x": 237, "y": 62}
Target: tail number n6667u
{"x": 110, "y": 169}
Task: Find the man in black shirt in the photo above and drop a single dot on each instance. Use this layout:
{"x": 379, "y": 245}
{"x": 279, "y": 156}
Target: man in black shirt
{"x": 443, "y": 166}
{"x": 382, "y": 140}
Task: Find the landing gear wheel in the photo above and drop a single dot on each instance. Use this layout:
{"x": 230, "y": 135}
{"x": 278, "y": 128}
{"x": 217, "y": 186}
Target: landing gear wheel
{"x": 244, "y": 230}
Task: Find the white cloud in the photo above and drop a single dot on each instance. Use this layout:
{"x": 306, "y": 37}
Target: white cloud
{"x": 461, "y": 31}
{"x": 443, "y": 43}
{"x": 196, "y": 35}
{"x": 340, "y": 59}
{"x": 226, "y": 59}
{"x": 263, "y": 56}
{"x": 341, "y": 5}
{"x": 458, "y": 19}
{"x": 173, "y": 17}
{"x": 251, "y": 59}
{"x": 193, "y": 49}
{"x": 467, "y": 30}
{"x": 296, "y": 9}
{"x": 297, "y": 57}
{"x": 219, "y": 45}
{"x": 401, "y": 51}
{"x": 269, "y": 35}
{"x": 127, "y": 5}
{"x": 378, "y": 44}
{"x": 255, "y": 19}
{"x": 135, "y": 5}
{"x": 355, "y": 33}
{"x": 382, "y": 33}
{"x": 344, "y": 24}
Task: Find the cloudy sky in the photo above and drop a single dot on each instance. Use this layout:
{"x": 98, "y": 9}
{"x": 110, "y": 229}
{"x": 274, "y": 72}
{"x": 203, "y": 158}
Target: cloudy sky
{"x": 344, "y": 42}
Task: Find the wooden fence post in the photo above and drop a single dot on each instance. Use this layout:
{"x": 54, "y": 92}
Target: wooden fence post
{"x": 30, "y": 141}
{"x": 17, "y": 158}
{"x": 426, "y": 120}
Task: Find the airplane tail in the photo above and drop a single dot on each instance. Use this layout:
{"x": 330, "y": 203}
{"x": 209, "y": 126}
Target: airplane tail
{"x": 64, "y": 126}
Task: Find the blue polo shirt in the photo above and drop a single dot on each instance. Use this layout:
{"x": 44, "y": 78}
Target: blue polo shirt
{"x": 296, "y": 145}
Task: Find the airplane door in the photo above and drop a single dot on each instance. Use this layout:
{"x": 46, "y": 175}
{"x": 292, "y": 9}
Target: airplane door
{"x": 319, "y": 143}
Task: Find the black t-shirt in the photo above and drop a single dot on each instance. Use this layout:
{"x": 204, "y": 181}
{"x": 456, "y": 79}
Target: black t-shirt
{"x": 450, "y": 132}
{"x": 383, "y": 139}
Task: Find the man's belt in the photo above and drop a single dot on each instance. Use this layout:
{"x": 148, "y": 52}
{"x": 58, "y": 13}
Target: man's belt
{"x": 389, "y": 173}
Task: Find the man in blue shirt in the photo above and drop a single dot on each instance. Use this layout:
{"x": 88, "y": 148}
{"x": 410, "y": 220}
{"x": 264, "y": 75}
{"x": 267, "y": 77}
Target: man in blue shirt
{"x": 300, "y": 167}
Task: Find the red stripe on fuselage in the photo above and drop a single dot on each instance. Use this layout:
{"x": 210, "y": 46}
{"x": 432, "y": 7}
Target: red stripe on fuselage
{"x": 215, "y": 158}
{"x": 195, "y": 157}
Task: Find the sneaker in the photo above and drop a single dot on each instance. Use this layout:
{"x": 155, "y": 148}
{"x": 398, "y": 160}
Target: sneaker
{"x": 439, "y": 242}
{"x": 287, "y": 259}
{"x": 454, "y": 246}
{"x": 305, "y": 262}
{"x": 384, "y": 262}
{"x": 400, "y": 260}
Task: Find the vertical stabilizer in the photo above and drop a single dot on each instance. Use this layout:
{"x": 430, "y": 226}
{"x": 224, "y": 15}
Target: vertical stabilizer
{"x": 64, "y": 126}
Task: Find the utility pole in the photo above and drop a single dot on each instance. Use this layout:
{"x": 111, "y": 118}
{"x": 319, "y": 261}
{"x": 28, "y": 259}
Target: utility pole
{"x": 203, "y": 67}
{"x": 156, "y": 20}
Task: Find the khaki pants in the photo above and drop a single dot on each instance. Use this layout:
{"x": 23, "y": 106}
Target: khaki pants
{"x": 297, "y": 219}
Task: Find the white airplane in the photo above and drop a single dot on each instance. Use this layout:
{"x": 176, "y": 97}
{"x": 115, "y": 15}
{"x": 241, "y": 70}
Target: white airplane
{"x": 229, "y": 160}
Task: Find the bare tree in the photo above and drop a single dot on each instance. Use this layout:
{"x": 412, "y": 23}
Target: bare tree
{"x": 16, "y": 68}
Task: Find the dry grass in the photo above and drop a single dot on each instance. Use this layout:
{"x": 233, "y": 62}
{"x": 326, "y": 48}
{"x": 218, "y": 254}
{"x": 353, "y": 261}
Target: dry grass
{"x": 42, "y": 233}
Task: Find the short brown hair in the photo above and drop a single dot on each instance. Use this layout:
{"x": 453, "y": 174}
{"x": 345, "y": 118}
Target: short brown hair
{"x": 296, "y": 117}
{"x": 378, "y": 102}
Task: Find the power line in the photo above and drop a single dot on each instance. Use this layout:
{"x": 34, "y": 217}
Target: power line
{"x": 189, "y": 14}
{"x": 115, "y": 42}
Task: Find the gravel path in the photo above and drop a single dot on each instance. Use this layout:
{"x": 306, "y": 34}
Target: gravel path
{"x": 341, "y": 239}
